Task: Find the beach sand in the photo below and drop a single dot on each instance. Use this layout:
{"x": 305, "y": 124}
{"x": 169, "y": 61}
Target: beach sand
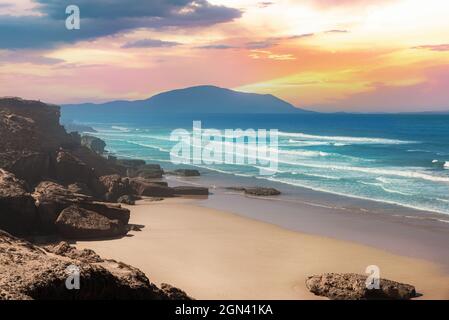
{"x": 212, "y": 254}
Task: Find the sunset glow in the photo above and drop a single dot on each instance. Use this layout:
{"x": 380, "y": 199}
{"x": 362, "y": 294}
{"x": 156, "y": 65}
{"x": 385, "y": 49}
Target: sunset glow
{"x": 327, "y": 55}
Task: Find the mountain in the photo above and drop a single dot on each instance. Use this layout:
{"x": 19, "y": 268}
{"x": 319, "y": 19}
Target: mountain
{"x": 192, "y": 100}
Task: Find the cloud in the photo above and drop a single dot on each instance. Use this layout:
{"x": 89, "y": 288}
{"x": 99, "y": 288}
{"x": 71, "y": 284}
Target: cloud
{"x": 106, "y": 17}
{"x": 150, "y": 43}
{"x": 434, "y": 47}
{"x": 261, "y": 44}
{"x": 336, "y": 31}
{"x": 217, "y": 46}
{"x": 264, "y": 4}
{"x": 28, "y": 57}
{"x": 300, "y": 36}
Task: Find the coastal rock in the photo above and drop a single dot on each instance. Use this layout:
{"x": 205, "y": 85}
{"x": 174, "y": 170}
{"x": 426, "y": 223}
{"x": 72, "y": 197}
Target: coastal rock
{"x": 190, "y": 190}
{"x": 143, "y": 187}
{"x": 30, "y": 131}
{"x": 350, "y": 286}
{"x": 115, "y": 187}
{"x": 31, "y": 273}
{"x": 79, "y": 223}
{"x": 185, "y": 172}
{"x": 51, "y": 198}
{"x": 80, "y": 188}
{"x": 127, "y": 199}
{"x": 93, "y": 143}
{"x": 148, "y": 171}
{"x": 17, "y": 210}
{"x": 69, "y": 168}
{"x": 256, "y": 191}
{"x": 131, "y": 163}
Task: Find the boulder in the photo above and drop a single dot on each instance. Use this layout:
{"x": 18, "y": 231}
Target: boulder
{"x": 32, "y": 273}
{"x": 17, "y": 209}
{"x": 115, "y": 187}
{"x": 51, "y": 198}
{"x": 79, "y": 223}
{"x": 93, "y": 143}
{"x": 109, "y": 210}
{"x": 69, "y": 169}
{"x": 127, "y": 199}
{"x": 189, "y": 190}
{"x": 131, "y": 163}
{"x": 256, "y": 191}
{"x": 80, "y": 188}
{"x": 350, "y": 286}
{"x": 185, "y": 172}
{"x": 143, "y": 187}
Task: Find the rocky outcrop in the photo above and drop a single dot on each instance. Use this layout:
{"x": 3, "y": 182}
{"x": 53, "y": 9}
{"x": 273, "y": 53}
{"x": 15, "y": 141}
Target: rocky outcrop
{"x": 52, "y": 198}
{"x": 143, "y": 187}
{"x": 17, "y": 210}
{"x": 190, "y": 190}
{"x": 147, "y": 171}
{"x": 115, "y": 186}
{"x": 79, "y": 223}
{"x": 69, "y": 169}
{"x": 185, "y": 172}
{"x": 350, "y": 286}
{"x": 93, "y": 143}
{"x": 29, "y": 132}
{"x": 29, "y": 272}
{"x": 257, "y": 191}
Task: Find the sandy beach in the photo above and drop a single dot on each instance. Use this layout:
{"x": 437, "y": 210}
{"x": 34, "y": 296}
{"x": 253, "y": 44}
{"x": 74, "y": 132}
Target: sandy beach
{"x": 213, "y": 254}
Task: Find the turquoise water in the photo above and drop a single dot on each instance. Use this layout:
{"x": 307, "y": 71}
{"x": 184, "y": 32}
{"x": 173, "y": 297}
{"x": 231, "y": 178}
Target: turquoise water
{"x": 397, "y": 159}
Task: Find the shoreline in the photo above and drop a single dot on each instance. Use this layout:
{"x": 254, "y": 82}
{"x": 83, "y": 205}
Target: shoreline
{"x": 217, "y": 254}
{"x": 396, "y": 229}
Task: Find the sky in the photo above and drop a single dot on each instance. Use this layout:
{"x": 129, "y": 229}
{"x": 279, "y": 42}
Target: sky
{"x": 324, "y": 55}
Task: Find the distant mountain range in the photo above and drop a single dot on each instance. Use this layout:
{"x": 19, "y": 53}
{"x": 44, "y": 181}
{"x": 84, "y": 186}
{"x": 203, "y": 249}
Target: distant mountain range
{"x": 192, "y": 100}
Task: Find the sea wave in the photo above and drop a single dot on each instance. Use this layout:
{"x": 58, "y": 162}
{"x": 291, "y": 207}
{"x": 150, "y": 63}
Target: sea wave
{"x": 344, "y": 139}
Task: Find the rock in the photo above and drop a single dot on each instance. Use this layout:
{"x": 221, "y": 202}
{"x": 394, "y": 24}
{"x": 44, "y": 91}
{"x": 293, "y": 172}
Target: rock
{"x": 186, "y": 172}
{"x": 69, "y": 169}
{"x": 17, "y": 209}
{"x": 350, "y": 286}
{"x": 189, "y": 190}
{"x": 93, "y": 143}
{"x": 79, "y": 223}
{"x": 257, "y": 191}
{"x": 143, "y": 187}
{"x": 109, "y": 210}
{"x": 71, "y": 126}
{"x": 131, "y": 163}
{"x": 80, "y": 188}
{"x": 31, "y": 273}
{"x": 29, "y": 132}
{"x": 127, "y": 199}
{"x": 115, "y": 187}
{"x": 173, "y": 293}
{"x": 51, "y": 198}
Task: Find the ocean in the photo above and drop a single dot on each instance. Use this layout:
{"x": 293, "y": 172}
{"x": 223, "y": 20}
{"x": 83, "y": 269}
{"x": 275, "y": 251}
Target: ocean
{"x": 394, "y": 159}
